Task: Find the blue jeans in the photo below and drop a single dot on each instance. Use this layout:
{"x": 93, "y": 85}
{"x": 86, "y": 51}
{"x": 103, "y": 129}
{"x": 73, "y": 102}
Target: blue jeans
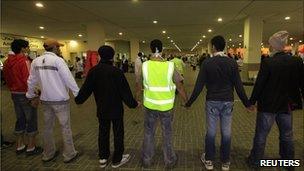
{"x": 264, "y": 123}
{"x": 166, "y": 118}
{"x": 26, "y": 116}
{"x": 218, "y": 110}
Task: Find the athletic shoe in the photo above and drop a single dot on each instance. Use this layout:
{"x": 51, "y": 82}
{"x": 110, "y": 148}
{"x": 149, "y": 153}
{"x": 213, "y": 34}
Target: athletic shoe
{"x": 103, "y": 163}
{"x": 36, "y": 151}
{"x": 125, "y": 159}
{"x": 225, "y": 166}
{"x": 208, "y": 163}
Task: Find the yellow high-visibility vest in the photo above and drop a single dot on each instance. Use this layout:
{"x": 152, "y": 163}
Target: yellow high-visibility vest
{"x": 159, "y": 89}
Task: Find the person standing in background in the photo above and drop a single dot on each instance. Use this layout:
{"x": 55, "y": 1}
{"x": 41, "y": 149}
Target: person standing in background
{"x": 138, "y": 79}
{"x": 78, "y": 68}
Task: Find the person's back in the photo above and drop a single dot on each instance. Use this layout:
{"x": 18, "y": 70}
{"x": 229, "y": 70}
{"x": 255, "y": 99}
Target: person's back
{"x": 220, "y": 72}
{"x": 278, "y": 78}
{"x": 52, "y": 77}
{"x": 106, "y": 89}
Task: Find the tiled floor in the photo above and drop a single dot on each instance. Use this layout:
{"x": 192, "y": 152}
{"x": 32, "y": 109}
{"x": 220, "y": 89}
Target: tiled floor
{"x": 189, "y": 129}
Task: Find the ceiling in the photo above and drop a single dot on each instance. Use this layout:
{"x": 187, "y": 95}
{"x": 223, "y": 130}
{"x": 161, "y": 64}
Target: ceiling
{"x": 184, "y": 21}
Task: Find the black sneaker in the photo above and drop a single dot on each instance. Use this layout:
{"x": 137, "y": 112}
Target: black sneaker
{"x": 6, "y": 144}
{"x": 72, "y": 159}
{"x": 52, "y": 158}
{"x": 18, "y": 152}
{"x": 36, "y": 151}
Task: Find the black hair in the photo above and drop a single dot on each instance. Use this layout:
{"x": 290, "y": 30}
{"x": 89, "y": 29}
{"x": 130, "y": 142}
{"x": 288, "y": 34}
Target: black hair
{"x": 106, "y": 53}
{"x": 18, "y": 44}
{"x": 140, "y": 54}
{"x": 218, "y": 42}
{"x": 47, "y": 48}
{"x": 156, "y": 44}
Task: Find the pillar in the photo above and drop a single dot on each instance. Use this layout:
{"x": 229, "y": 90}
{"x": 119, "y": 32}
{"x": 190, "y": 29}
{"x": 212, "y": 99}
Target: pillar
{"x": 134, "y": 49}
{"x": 95, "y": 35}
{"x": 253, "y": 31}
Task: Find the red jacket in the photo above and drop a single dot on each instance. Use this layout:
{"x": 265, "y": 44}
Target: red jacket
{"x": 16, "y": 72}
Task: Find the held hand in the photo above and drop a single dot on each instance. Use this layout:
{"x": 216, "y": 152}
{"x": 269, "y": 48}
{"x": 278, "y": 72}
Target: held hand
{"x": 35, "y": 102}
{"x": 138, "y": 104}
{"x": 251, "y": 109}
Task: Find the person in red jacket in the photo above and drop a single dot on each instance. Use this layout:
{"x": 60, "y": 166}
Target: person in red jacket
{"x": 16, "y": 73}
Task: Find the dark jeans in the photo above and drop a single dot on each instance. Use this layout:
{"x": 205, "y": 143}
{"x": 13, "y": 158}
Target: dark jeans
{"x": 264, "y": 123}
{"x": 104, "y": 139}
{"x": 218, "y": 110}
{"x": 26, "y": 115}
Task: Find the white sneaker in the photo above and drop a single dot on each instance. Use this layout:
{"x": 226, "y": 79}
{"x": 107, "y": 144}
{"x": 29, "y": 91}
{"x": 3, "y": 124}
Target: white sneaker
{"x": 103, "y": 163}
{"x": 208, "y": 163}
{"x": 225, "y": 166}
{"x": 125, "y": 159}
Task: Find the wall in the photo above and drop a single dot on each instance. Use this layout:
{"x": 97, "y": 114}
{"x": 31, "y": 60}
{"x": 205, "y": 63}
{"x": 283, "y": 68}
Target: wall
{"x": 122, "y": 47}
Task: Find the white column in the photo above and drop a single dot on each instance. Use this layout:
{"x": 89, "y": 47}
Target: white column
{"x": 96, "y": 35}
{"x": 134, "y": 49}
{"x": 253, "y": 30}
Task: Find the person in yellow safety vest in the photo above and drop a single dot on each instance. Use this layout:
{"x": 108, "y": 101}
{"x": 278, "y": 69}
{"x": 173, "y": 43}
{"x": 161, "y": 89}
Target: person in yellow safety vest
{"x": 160, "y": 80}
{"x": 179, "y": 65}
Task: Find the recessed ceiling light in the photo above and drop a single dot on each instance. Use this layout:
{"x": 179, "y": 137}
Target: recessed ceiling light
{"x": 204, "y": 36}
{"x": 164, "y": 32}
{"x": 201, "y": 40}
{"x": 219, "y": 19}
{"x": 42, "y": 37}
{"x": 287, "y": 18}
{"x": 120, "y": 33}
{"x": 79, "y": 35}
{"x": 291, "y": 38}
{"x": 240, "y": 44}
{"x": 240, "y": 35}
{"x": 209, "y": 30}
{"x": 171, "y": 41}
{"x": 144, "y": 41}
{"x": 155, "y": 21}
{"x": 134, "y": 0}
{"x": 262, "y": 43}
{"x": 228, "y": 46}
{"x": 291, "y": 44}
{"x": 39, "y": 5}
{"x": 232, "y": 45}
{"x": 41, "y": 27}
{"x": 230, "y": 40}
{"x": 168, "y": 37}
{"x": 300, "y": 41}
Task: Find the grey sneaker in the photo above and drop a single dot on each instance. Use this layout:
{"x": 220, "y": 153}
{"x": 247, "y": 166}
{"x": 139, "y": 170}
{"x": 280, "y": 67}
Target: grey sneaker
{"x": 103, "y": 163}
{"x": 124, "y": 160}
{"x": 208, "y": 163}
{"x": 225, "y": 166}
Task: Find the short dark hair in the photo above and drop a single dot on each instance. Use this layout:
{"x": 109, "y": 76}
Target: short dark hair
{"x": 156, "y": 44}
{"x": 218, "y": 42}
{"x": 140, "y": 54}
{"x": 47, "y": 48}
{"x": 106, "y": 53}
{"x": 18, "y": 44}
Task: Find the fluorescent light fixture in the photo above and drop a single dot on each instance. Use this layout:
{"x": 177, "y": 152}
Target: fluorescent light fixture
{"x": 219, "y": 19}
{"x": 287, "y": 18}
{"x": 39, "y": 5}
